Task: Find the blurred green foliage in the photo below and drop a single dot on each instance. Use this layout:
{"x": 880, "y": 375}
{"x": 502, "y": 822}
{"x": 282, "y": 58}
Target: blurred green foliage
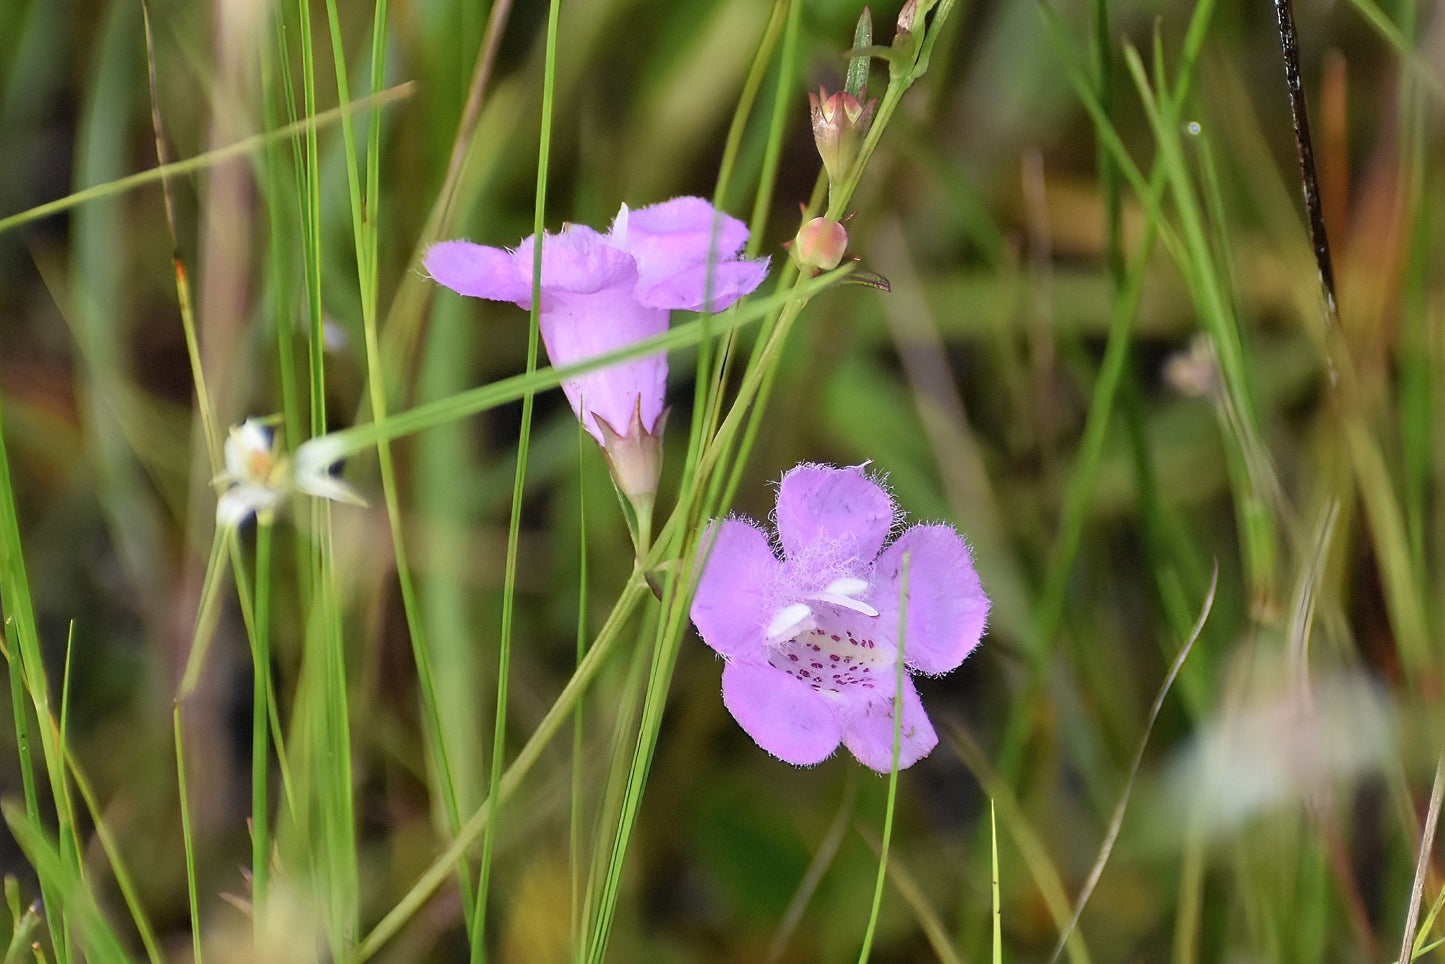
{"x": 975, "y": 385}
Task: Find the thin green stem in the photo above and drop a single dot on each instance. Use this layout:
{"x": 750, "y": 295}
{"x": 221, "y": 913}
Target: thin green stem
{"x": 900, "y": 674}
{"x": 560, "y": 711}
{"x": 574, "y": 834}
{"x": 192, "y": 892}
{"x": 260, "y": 729}
{"x": 509, "y": 582}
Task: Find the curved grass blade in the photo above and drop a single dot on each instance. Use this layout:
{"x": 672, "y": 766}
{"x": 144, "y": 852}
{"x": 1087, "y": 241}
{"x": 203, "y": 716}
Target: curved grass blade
{"x": 1117, "y": 820}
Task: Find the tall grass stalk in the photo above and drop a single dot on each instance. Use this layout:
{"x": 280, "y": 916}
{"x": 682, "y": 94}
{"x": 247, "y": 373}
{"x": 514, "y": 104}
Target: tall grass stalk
{"x": 524, "y": 438}
{"x": 578, "y": 802}
{"x": 188, "y": 838}
{"x": 899, "y": 675}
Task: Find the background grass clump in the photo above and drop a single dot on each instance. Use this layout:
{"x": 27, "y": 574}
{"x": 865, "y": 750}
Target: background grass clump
{"x": 1106, "y": 357}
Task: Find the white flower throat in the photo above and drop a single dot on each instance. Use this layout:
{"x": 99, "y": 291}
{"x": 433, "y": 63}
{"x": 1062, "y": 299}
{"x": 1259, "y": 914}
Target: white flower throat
{"x": 827, "y": 659}
{"x": 797, "y": 618}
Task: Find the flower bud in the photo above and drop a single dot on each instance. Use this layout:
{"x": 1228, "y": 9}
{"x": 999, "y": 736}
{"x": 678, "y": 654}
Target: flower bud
{"x": 906, "y": 16}
{"x": 840, "y": 122}
{"x": 905, "y": 40}
{"x": 820, "y": 244}
{"x": 634, "y": 459}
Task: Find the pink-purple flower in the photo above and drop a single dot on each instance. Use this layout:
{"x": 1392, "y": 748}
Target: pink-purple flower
{"x": 603, "y": 292}
{"x": 811, "y": 640}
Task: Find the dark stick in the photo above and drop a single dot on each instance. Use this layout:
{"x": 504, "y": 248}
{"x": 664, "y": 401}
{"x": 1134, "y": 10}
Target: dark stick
{"x": 1310, "y": 180}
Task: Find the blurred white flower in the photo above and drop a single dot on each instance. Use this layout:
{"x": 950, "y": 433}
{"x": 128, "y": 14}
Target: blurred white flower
{"x": 1278, "y": 747}
{"x": 259, "y": 478}
{"x": 1194, "y": 371}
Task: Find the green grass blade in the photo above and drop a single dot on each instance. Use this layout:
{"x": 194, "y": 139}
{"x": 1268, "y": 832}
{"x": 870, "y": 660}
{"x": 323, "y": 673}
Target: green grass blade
{"x": 997, "y": 914}
{"x": 1427, "y": 841}
{"x": 187, "y": 836}
{"x": 560, "y": 711}
{"x": 260, "y": 730}
{"x": 75, "y": 905}
{"x": 509, "y": 584}
{"x": 899, "y": 675}
{"x": 1117, "y": 819}
{"x": 22, "y": 652}
{"x": 201, "y": 162}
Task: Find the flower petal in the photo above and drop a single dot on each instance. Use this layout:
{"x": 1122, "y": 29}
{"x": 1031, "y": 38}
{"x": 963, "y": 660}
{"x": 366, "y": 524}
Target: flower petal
{"x": 869, "y": 734}
{"x": 480, "y": 272}
{"x": 683, "y": 229}
{"x": 947, "y": 608}
{"x": 686, "y": 254}
{"x": 842, "y": 507}
{"x": 579, "y": 326}
{"x": 691, "y": 288}
{"x": 240, "y": 502}
{"x": 730, "y": 608}
{"x": 786, "y": 717}
{"x": 580, "y": 261}
{"x": 323, "y": 485}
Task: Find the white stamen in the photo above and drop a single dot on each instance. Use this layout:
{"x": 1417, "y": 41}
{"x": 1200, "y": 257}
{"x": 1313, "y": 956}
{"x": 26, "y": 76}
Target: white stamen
{"x": 847, "y": 602}
{"x": 788, "y": 622}
{"x": 843, "y": 592}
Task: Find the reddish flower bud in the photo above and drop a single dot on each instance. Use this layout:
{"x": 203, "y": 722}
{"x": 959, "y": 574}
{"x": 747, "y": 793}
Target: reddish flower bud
{"x": 907, "y": 15}
{"x": 905, "y": 40}
{"x": 820, "y": 244}
{"x": 840, "y": 122}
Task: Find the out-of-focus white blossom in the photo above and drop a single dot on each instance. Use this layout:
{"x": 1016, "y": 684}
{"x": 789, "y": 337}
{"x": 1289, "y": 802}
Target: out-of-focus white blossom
{"x": 259, "y": 477}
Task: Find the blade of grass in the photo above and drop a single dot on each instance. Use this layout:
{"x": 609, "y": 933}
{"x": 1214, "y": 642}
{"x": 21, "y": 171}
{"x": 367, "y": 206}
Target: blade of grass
{"x": 574, "y": 824}
{"x": 1035, "y": 854}
{"x": 123, "y": 879}
{"x": 278, "y": 216}
{"x": 823, "y": 858}
{"x": 200, "y": 162}
{"x": 22, "y": 652}
{"x": 665, "y": 644}
{"x": 1117, "y": 819}
{"x": 509, "y": 579}
{"x": 713, "y": 375}
{"x": 1427, "y": 926}
{"x": 560, "y": 711}
{"x": 1422, "y": 865}
{"x": 624, "y": 745}
{"x": 183, "y": 287}
{"x": 1256, "y": 487}
{"x": 75, "y": 905}
{"x": 899, "y": 675}
{"x": 187, "y": 836}
{"x": 461, "y": 405}
{"x": 337, "y": 800}
{"x": 1403, "y": 599}
{"x": 260, "y": 728}
{"x": 913, "y": 893}
{"x": 404, "y": 317}
{"x": 365, "y": 216}
{"x": 997, "y": 915}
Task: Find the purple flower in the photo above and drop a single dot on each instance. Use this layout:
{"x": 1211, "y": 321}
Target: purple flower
{"x": 811, "y": 640}
{"x": 603, "y": 292}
